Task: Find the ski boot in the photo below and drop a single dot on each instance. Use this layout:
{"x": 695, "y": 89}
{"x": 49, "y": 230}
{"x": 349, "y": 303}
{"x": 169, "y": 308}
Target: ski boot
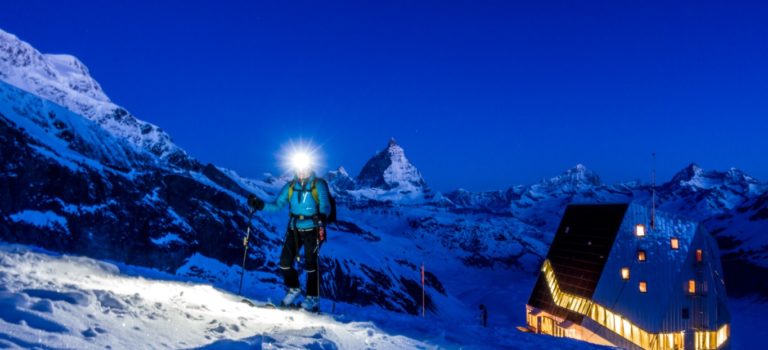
{"x": 311, "y": 304}
{"x": 290, "y": 298}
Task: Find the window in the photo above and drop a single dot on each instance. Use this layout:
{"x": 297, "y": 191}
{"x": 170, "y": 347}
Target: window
{"x": 640, "y": 230}
{"x": 627, "y": 329}
{"x": 601, "y": 315}
{"x": 643, "y": 286}
{"x": 641, "y": 255}
{"x": 609, "y": 319}
{"x": 691, "y": 286}
{"x": 686, "y": 314}
{"x": 699, "y": 255}
{"x": 675, "y": 243}
{"x": 625, "y": 273}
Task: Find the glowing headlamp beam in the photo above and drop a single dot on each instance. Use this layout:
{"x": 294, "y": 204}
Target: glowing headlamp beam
{"x": 301, "y": 160}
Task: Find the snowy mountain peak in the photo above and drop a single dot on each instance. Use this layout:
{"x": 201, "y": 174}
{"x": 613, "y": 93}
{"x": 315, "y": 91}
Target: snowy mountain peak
{"x": 390, "y": 169}
{"x": 736, "y": 175}
{"x": 66, "y": 81}
{"x": 690, "y": 172}
{"x": 578, "y": 176}
{"x": 695, "y": 177}
{"x": 23, "y": 66}
{"x": 340, "y": 180}
{"x": 574, "y": 180}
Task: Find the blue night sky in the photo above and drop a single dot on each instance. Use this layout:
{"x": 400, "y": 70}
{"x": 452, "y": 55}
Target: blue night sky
{"x": 481, "y": 94}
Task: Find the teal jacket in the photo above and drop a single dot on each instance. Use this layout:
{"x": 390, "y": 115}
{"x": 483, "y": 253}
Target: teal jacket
{"x": 302, "y": 202}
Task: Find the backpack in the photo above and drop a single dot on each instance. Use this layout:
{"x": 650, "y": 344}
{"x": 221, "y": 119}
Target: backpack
{"x": 331, "y": 218}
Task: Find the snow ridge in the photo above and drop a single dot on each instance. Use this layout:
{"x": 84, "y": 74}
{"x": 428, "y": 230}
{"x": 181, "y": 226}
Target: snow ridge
{"x": 66, "y": 81}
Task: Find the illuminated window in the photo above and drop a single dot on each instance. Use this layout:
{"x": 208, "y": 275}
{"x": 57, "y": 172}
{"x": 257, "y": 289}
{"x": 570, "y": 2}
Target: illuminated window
{"x": 641, "y": 255}
{"x": 640, "y": 230}
{"x": 625, "y": 273}
{"x": 627, "y": 330}
{"x": 699, "y": 255}
{"x": 675, "y": 243}
{"x": 609, "y": 319}
{"x": 707, "y": 339}
{"x": 601, "y": 315}
{"x": 691, "y": 286}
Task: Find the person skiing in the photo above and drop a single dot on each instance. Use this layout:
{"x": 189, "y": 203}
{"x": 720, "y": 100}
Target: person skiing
{"x": 307, "y": 198}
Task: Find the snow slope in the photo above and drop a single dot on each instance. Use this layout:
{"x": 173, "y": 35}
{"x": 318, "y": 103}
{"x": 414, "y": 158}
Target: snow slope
{"x": 51, "y": 301}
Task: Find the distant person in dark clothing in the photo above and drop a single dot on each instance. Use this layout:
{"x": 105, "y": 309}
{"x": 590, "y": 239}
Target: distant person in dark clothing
{"x": 483, "y": 315}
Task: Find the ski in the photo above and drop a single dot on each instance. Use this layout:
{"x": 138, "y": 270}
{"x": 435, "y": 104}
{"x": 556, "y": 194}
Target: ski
{"x": 269, "y": 305}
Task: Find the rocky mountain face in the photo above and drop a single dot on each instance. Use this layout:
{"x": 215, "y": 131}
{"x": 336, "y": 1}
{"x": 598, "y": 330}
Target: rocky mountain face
{"x": 80, "y": 175}
{"x": 390, "y": 171}
{"x": 100, "y": 195}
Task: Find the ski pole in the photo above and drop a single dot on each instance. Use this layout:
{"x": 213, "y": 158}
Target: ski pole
{"x": 317, "y": 257}
{"x": 245, "y": 251}
{"x": 423, "y": 294}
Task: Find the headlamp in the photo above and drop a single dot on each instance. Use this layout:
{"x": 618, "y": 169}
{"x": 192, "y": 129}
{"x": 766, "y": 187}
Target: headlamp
{"x": 301, "y": 161}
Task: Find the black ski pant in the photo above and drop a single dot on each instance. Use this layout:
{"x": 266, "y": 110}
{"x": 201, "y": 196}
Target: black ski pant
{"x": 294, "y": 240}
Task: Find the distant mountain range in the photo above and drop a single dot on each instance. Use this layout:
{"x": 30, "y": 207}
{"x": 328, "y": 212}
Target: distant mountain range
{"x": 79, "y": 174}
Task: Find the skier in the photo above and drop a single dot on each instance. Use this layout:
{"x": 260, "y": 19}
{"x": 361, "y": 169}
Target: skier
{"x": 307, "y": 197}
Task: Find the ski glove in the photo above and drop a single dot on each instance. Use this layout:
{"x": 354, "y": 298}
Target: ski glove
{"x": 255, "y": 203}
{"x": 321, "y": 234}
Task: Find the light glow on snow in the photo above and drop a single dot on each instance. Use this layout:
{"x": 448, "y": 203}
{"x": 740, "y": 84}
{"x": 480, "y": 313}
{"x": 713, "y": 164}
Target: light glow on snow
{"x": 59, "y": 301}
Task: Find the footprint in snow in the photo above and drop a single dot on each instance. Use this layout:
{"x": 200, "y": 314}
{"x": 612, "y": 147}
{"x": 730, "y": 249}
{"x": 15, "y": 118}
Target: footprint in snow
{"x": 89, "y": 333}
{"x": 74, "y": 298}
{"x": 12, "y": 310}
{"x": 110, "y": 302}
{"x": 43, "y": 305}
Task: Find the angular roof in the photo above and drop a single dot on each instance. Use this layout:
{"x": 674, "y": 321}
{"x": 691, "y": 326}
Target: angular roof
{"x": 578, "y": 254}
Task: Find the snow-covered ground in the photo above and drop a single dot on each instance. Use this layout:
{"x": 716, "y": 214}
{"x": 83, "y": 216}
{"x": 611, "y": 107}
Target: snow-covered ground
{"x": 52, "y": 301}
